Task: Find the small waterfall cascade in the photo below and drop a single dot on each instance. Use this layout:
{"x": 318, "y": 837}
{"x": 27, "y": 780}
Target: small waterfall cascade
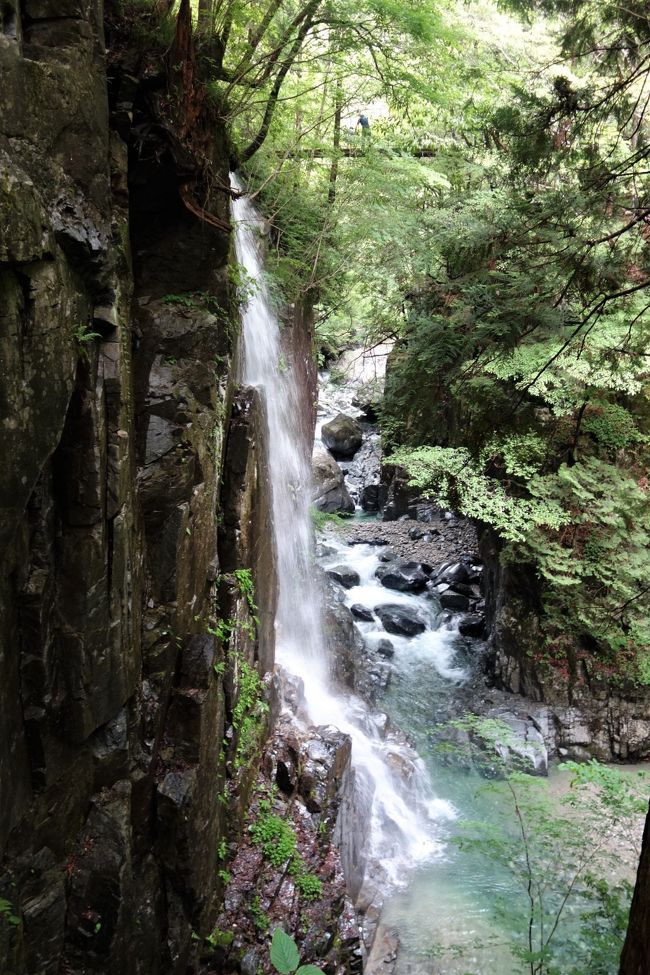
{"x": 404, "y": 824}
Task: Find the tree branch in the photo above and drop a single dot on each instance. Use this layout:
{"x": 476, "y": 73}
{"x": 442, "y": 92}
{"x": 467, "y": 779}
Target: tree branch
{"x": 308, "y": 17}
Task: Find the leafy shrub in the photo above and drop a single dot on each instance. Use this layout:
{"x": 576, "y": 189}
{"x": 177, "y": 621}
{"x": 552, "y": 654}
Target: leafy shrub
{"x": 275, "y": 837}
{"x": 309, "y": 886}
{"x": 285, "y": 956}
{"x": 612, "y": 426}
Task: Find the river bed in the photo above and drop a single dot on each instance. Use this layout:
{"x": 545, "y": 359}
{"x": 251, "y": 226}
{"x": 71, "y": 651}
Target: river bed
{"x": 455, "y": 911}
{"x": 445, "y": 909}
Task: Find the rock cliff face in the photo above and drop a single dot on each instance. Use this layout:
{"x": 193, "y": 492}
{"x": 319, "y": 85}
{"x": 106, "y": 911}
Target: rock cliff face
{"x": 116, "y": 349}
{"x": 580, "y": 712}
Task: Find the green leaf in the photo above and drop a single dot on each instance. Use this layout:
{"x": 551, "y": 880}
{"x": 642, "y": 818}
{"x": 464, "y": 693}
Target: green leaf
{"x": 309, "y": 970}
{"x": 285, "y": 957}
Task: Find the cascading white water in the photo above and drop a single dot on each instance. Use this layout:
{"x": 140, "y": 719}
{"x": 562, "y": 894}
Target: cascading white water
{"x": 402, "y": 828}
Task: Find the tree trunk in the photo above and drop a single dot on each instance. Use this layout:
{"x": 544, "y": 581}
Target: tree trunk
{"x": 635, "y": 959}
{"x": 336, "y": 144}
{"x": 204, "y": 22}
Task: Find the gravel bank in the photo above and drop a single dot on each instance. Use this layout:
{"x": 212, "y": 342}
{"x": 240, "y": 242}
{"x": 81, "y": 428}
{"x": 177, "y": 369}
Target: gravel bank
{"x": 445, "y": 539}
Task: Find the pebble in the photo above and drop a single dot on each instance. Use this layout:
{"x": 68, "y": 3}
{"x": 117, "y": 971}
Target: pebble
{"x": 441, "y": 542}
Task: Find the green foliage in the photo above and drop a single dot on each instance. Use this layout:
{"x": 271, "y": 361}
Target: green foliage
{"x": 285, "y": 956}
{"x": 278, "y": 842}
{"x": 249, "y": 712}
{"x": 310, "y": 886}
{"x": 275, "y": 837}
{"x": 570, "y": 917}
{"x": 260, "y": 917}
{"x": 605, "y": 919}
{"x": 616, "y": 794}
{"x": 248, "y": 692}
{"x": 83, "y": 335}
{"x": 598, "y": 564}
{"x": 224, "y": 628}
{"x": 612, "y": 426}
{"x": 220, "y": 939}
{"x": 195, "y": 300}
{"x": 323, "y": 519}
{"x": 246, "y": 586}
{"x": 522, "y": 455}
{"x": 250, "y": 708}
{"x": 454, "y": 479}
{"x": 245, "y": 286}
{"x": 7, "y": 913}
{"x": 187, "y": 300}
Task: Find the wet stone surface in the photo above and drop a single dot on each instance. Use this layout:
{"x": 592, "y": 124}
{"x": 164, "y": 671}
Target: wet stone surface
{"x": 344, "y": 575}
{"x": 403, "y": 576}
{"x": 400, "y": 619}
{"x": 342, "y": 436}
{"x": 284, "y": 869}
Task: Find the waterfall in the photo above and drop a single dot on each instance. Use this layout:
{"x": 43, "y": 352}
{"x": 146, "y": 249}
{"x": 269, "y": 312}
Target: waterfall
{"x": 403, "y": 826}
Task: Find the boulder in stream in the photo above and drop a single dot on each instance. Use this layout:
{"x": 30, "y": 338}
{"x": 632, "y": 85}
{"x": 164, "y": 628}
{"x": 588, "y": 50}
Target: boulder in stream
{"x": 454, "y": 600}
{"x": 344, "y": 575}
{"x": 385, "y": 649}
{"x": 454, "y": 572}
{"x": 400, "y": 619}
{"x": 362, "y": 613}
{"x": 464, "y": 589}
{"x": 402, "y": 576}
{"x": 389, "y": 555}
{"x": 472, "y": 625}
{"x": 342, "y": 436}
{"x": 329, "y": 493}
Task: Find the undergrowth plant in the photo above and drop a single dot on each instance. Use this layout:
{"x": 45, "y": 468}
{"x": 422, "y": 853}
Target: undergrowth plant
{"x": 324, "y": 519}
{"x": 285, "y": 956}
{"x": 562, "y": 854}
{"x": 277, "y": 840}
{"x": 8, "y": 913}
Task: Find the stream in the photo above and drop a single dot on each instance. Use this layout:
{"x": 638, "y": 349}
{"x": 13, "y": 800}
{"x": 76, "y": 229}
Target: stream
{"x": 412, "y": 802}
{"x": 443, "y": 902}
{"x": 441, "y": 905}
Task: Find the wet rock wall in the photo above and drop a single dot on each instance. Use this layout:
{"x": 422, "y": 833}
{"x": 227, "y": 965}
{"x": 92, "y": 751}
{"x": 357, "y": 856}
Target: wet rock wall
{"x": 117, "y": 683}
{"x": 579, "y": 713}
{"x": 286, "y": 869}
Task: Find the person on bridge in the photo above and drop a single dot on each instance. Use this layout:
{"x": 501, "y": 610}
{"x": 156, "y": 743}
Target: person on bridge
{"x": 365, "y": 125}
